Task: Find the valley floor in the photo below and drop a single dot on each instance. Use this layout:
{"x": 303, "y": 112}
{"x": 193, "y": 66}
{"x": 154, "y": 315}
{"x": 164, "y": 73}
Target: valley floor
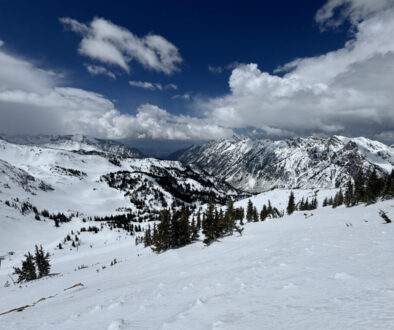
{"x": 330, "y": 270}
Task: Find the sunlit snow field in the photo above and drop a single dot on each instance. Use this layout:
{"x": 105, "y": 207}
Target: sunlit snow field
{"x": 322, "y": 269}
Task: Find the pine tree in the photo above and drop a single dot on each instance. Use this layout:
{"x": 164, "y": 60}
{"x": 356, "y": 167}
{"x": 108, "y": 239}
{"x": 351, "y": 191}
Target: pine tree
{"x": 198, "y": 224}
{"x": 359, "y": 187}
{"x": 194, "y": 230}
{"x": 313, "y": 204}
{"x": 42, "y": 261}
{"x": 184, "y": 228}
{"x": 28, "y": 271}
{"x": 349, "y": 194}
{"x": 249, "y": 211}
{"x": 263, "y": 213}
{"x": 163, "y": 236}
{"x": 229, "y": 217}
{"x": 255, "y": 215}
{"x": 325, "y": 202}
{"x": 302, "y": 205}
{"x": 291, "y": 204}
{"x": 208, "y": 224}
{"x": 373, "y": 187}
{"x": 147, "y": 237}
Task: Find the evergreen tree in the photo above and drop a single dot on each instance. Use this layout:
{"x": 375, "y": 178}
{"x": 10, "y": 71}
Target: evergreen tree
{"x": 359, "y": 187}
{"x": 208, "y": 224}
{"x": 313, "y": 204}
{"x": 255, "y": 215}
{"x": 338, "y": 199}
{"x": 349, "y": 194}
{"x": 184, "y": 228}
{"x": 325, "y": 202}
{"x": 163, "y": 236}
{"x": 302, "y": 205}
{"x": 389, "y": 185}
{"x": 229, "y": 217}
{"x": 28, "y": 271}
{"x": 198, "y": 224}
{"x": 194, "y": 230}
{"x": 291, "y": 204}
{"x": 373, "y": 187}
{"x": 42, "y": 261}
{"x": 249, "y": 211}
{"x": 147, "y": 237}
{"x": 263, "y": 213}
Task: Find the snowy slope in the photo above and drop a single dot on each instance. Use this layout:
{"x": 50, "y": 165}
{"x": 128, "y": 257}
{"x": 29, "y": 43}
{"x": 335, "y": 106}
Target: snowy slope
{"x": 79, "y": 183}
{"x": 76, "y": 143}
{"x": 329, "y": 270}
{"x": 259, "y": 165}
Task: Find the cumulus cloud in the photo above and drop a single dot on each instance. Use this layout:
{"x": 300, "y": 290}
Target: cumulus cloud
{"x": 95, "y": 70}
{"x": 32, "y": 101}
{"x": 152, "y": 86}
{"x": 347, "y": 91}
{"x": 112, "y": 44}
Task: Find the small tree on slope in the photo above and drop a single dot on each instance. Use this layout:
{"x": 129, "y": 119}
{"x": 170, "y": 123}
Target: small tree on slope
{"x": 291, "y": 204}
{"x": 42, "y": 261}
{"x": 28, "y": 271}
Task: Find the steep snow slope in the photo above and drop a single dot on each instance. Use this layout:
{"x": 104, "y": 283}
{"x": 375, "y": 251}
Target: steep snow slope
{"x": 259, "y": 165}
{"x": 80, "y": 182}
{"x": 329, "y": 270}
{"x": 76, "y": 143}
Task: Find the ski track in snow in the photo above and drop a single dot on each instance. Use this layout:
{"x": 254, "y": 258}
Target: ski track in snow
{"x": 297, "y": 272}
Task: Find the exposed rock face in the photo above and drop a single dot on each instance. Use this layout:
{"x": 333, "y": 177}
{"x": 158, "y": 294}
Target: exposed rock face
{"x": 259, "y": 165}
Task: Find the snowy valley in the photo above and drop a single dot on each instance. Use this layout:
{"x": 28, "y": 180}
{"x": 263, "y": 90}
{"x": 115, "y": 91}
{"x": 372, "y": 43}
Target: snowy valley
{"x": 329, "y": 267}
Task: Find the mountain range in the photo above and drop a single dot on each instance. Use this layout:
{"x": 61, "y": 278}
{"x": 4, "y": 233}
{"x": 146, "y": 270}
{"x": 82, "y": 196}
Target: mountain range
{"x": 257, "y": 165}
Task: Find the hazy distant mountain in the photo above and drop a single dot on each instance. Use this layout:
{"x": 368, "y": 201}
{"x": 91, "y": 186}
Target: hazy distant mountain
{"x": 76, "y": 143}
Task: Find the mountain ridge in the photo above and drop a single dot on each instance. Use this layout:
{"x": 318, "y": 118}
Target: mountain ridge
{"x": 258, "y": 165}
{"x": 76, "y": 143}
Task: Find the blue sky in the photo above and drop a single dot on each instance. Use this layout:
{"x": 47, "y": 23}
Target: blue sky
{"x": 206, "y": 33}
{"x": 219, "y": 70}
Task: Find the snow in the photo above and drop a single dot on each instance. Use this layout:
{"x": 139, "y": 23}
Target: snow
{"x": 256, "y": 165}
{"x": 321, "y": 269}
{"x": 330, "y": 270}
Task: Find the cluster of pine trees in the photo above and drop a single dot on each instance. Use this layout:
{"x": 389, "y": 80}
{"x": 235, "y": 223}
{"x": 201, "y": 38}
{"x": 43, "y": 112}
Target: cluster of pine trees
{"x": 176, "y": 230}
{"x": 364, "y": 190}
{"x": 173, "y": 231}
{"x": 33, "y": 267}
{"x": 303, "y": 205}
{"x": 266, "y": 212}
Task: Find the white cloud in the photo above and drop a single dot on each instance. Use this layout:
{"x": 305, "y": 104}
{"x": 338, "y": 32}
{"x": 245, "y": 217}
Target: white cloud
{"x": 171, "y": 86}
{"x": 95, "y": 70}
{"x": 144, "y": 84}
{"x": 185, "y": 96}
{"x": 152, "y": 86}
{"x": 112, "y": 44}
{"x": 335, "y": 12}
{"x": 31, "y": 101}
{"x": 347, "y": 91}
{"x": 1, "y": 43}
{"x": 220, "y": 69}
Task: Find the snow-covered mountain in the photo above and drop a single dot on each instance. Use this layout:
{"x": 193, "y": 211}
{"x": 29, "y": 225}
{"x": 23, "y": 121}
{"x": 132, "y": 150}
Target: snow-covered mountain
{"x": 258, "y": 165}
{"x": 76, "y": 143}
{"x": 53, "y": 177}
